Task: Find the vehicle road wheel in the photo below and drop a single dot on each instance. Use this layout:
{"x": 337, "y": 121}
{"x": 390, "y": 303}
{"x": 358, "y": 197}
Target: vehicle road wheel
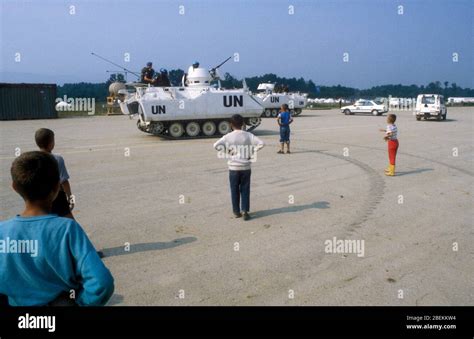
{"x": 347, "y": 112}
{"x": 224, "y": 127}
{"x": 274, "y": 113}
{"x": 176, "y": 130}
{"x": 439, "y": 117}
{"x": 156, "y": 128}
{"x": 253, "y": 123}
{"x": 142, "y": 126}
{"x": 418, "y": 118}
{"x": 375, "y": 112}
{"x": 209, "y": 128}
{"x": 267, "y": 113}
{"x": 193, "y": 129}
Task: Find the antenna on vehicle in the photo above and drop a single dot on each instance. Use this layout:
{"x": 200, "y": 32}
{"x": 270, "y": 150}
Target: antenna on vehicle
{"x": 113, "y": 63}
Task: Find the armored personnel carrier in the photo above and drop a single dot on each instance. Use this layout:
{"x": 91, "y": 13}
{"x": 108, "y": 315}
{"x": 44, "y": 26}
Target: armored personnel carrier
{"x": 272, "y": 100}
{"x": 194, "y": 109}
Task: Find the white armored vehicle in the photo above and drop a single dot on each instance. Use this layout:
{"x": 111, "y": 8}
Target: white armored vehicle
{"x": 195, "y": 109}
{"x": 272, "y": 100}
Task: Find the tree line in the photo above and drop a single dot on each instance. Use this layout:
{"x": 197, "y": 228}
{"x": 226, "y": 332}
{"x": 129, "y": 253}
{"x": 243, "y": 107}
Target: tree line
{"x": 99, "y": 91}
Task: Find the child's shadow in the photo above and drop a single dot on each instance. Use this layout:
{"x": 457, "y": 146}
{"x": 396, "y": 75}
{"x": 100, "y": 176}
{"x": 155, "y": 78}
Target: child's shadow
{"x": 116, "y": 299}
{"x": 290, "y": 209}
{"x": 144, "y": 247}
{"x": 419, "y": 170}
{"x": 265, "y": 132}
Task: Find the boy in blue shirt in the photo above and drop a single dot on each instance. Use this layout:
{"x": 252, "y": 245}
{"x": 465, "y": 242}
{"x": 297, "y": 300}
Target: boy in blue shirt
{"x": 284, "y": 120}
{"x": 42, "y": 256}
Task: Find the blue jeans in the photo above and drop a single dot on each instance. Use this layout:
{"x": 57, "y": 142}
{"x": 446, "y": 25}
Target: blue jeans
{"x": 284, "y": 133}
{"x": 240, "y": 190}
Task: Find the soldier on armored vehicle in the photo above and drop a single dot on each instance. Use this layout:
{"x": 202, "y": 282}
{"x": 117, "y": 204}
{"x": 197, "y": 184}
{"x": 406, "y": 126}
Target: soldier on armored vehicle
{"x": 162, "y": 79}
{"x": 147, "y": 74}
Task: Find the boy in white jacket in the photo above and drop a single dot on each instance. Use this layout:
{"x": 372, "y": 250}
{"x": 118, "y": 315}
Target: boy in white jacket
{"x": 240, "y": 147}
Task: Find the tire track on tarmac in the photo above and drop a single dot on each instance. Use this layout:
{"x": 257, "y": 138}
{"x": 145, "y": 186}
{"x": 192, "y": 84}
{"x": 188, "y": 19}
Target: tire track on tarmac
{"x": 459, "y": 169}
{"x": 375, "y": 194}
{"x": 376, "y": 186}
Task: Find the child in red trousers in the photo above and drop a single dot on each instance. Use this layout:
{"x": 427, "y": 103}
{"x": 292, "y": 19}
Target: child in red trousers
{"x": 392, "y": 141}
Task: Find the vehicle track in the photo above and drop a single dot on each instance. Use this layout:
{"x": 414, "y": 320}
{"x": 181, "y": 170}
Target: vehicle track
{"x": 187, "y": 137}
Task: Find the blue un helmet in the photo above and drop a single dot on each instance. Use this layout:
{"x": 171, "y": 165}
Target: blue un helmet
{"x": 196, "y": 64}
{"x": 163, "y": 70}
{"x": 149, "y": 64}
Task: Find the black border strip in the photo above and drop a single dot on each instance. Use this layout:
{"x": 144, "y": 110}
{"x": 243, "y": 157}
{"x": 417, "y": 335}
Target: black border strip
{"x": 241, "y": 321}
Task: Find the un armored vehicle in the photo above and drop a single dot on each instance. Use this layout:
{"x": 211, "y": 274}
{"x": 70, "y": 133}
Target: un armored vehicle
{"x": 272, "y": 100}
{"x": 194, "y": 109}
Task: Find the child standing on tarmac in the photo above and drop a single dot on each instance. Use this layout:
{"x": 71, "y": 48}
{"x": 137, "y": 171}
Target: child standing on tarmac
{"x": 284, "y": 120}
{"x": 242, "y": 147}
{"x": 63, "y": 204}
{"x": 392, "y": 141}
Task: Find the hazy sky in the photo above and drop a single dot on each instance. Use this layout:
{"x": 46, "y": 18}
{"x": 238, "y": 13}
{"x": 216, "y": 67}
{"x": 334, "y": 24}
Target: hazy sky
{"x": 384, "y": 47}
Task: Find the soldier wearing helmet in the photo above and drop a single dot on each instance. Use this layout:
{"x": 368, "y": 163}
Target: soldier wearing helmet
{"x": 147, "y": 73}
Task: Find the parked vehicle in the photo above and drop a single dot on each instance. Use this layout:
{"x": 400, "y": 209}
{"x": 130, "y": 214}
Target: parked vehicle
{"x": 365, "y": 106}
{"x": 272, "y": 100}
{"x": 430, "y": 106}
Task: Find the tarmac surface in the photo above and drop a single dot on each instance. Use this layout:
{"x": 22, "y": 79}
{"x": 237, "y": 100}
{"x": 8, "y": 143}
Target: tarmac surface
{"x": 170, "y": 201}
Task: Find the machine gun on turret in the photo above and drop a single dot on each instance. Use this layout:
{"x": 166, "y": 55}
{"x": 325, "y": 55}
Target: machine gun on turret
{"x": 213, "y": 71}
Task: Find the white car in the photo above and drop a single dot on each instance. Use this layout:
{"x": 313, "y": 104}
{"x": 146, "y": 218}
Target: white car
{"x": 365, "y": 106}
{"x": 430, "y": 106}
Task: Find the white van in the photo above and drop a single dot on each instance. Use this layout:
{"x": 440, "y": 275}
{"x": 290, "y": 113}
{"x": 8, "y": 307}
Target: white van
{"x": 430, "y": 106}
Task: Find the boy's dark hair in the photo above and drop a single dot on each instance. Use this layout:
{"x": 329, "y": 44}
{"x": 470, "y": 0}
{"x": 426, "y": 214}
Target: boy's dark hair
{"x": 285, "y": 107}
{"x": 237, "y": 120}
{"x": 392, "y": 118}
{"x": 35, "y": 175}
{"x": 44, "y": 137}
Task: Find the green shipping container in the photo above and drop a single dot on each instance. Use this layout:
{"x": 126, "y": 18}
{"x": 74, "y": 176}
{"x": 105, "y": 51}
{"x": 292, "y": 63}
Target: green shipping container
{"x": 27, "y": 101}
